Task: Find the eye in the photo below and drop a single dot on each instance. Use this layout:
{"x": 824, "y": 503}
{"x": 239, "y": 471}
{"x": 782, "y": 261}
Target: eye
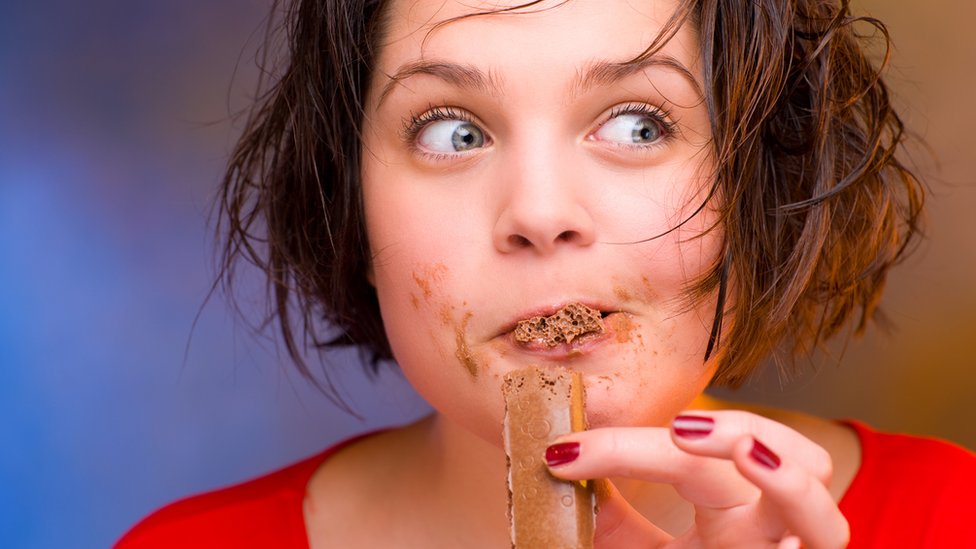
{"x": 634, "y": 125}
{"x": 444, "y": 132}
{"x": 446, "y": 136}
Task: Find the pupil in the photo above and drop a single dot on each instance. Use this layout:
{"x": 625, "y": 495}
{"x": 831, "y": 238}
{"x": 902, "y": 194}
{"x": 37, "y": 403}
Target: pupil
{"x": 465, "y": 137}
{"x": 645, "y": 131}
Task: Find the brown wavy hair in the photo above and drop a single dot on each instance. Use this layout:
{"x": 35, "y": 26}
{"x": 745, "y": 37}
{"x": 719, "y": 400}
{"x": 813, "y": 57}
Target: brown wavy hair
{"x": 815, "y": 206}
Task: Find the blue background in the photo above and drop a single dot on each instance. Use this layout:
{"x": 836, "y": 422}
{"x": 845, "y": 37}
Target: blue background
{"x": 115, "y": 122}
{"x": 115, "y": 125}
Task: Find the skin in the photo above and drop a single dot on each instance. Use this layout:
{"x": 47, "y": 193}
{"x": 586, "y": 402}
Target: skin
{"x": 471, "y": 243}
{"x": 551, "y": 201}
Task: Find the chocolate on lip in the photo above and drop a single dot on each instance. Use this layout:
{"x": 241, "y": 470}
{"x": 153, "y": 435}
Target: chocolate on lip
{"x": 563, "y": 326}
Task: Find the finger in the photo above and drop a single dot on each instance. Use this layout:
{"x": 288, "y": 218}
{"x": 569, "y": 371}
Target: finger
{"x": 789, "y": 542}
{"x": 800, "y": 500}
{"x": 618, "y": 525}
{"x": 648, "y": 453}
{"x": 794, "y": 485}
{"x": 715, "y": 434}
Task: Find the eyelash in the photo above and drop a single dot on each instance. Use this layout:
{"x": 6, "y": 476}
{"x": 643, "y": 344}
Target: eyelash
{"x": 660, "y": 115}
{"x": 416, "y": 123}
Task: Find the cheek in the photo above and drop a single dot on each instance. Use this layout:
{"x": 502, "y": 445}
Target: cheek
{"x": 662, "y": 372}
{"x": 427, "y": 324}
{"x": 420, "y": 257}
{"x": 652, "y": 400}
{"x": 414, "y": 302}
{"x": 428, "y": 333}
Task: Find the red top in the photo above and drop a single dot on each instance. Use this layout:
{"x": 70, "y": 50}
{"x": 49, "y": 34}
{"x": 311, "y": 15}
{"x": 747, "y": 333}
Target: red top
{"x": 909, "y": 492}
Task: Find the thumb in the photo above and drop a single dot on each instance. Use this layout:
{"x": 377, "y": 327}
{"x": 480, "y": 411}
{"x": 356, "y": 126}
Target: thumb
{"x": 619, "y": 525}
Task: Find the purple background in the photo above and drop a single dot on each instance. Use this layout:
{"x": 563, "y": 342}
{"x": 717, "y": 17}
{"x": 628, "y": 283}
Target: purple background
{"x": 114, "y": 127}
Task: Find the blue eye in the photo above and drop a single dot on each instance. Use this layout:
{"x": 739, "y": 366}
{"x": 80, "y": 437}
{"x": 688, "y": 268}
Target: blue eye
{"x": 634, "y": 128}
{"x": 450, "y": 136}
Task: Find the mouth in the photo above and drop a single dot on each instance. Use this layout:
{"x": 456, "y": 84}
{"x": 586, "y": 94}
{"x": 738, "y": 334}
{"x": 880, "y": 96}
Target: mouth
{"x": 568, "y": 323}
{"x": 567, "y": 331}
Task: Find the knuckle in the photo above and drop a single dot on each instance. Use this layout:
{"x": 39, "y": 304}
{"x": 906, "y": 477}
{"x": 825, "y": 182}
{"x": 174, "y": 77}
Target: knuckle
{"x": 817, "y": 462}
{"x": 611, "y": 442}
{"x": 796, "y": 483}
{"x": 746, "y": 422}
{"x": 614, "y": 453}
{"x": 823, "y": 465}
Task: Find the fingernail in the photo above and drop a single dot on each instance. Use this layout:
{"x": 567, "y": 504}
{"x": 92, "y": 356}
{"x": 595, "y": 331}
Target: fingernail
{"x": 764, "y": 456}
{"x": 692, "y": 426}
{"x": 562, "y": 453}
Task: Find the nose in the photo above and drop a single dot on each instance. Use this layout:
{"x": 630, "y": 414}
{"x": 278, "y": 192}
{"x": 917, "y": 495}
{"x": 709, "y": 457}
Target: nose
{"x": 543, "y": 207}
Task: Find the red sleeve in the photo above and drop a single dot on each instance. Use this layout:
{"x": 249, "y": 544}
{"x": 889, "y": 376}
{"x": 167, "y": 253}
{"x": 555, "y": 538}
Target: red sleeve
{"x": 264, "y": 512}
{"x": 911, "y": 492}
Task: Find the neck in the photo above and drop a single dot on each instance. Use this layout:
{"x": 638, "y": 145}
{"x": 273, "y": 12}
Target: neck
{"x": 468, "y": 474}
{"x": 458, "y": 463}
{"x": 457, "y": 477}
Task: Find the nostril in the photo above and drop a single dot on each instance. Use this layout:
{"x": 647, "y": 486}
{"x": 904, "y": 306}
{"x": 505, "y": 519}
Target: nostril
{"x": 567, "y": 236}
{"x": 519, "y": 241}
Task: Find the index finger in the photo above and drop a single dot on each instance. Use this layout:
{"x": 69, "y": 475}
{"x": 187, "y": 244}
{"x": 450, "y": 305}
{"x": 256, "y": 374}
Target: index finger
{"x": 649, "y": 454}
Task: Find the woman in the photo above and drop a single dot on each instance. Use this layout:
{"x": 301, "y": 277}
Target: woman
{"x": 716, "y": 179}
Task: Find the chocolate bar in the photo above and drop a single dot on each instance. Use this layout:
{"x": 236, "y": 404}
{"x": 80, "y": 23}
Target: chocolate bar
{"x": 545, "y": 512}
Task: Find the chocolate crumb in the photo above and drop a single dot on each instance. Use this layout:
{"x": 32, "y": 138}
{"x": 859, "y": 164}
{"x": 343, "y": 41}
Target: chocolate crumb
{"x": 564, "y": 326}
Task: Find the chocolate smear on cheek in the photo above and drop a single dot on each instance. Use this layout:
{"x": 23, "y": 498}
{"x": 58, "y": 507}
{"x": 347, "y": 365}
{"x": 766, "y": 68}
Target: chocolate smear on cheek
{"x": 565, "y": 325}
{"x": 623, "y": 326}
{"x": 622, "y": 293}
{"x": 649, "y": 293}
{"x": 423, "y": 284}
{"x": 463, "y": 353}
{"x": 428, "y": 277}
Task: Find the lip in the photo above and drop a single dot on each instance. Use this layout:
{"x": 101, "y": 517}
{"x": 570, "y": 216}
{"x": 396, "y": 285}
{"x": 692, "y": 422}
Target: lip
{"x": 549, "y": 310}
{"x": 579, "y": 347}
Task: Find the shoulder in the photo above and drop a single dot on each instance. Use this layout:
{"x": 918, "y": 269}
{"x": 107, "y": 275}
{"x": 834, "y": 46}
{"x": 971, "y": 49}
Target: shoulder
{"x": 265, "y": 511}
{"x": 909, "y": 449}
{"x": 910, "y": 489}
{"x": 906, "y": 462}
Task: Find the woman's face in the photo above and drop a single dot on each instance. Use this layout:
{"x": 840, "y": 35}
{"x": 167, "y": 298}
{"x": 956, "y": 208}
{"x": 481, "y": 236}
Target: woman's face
{"x": 514, "y": 164}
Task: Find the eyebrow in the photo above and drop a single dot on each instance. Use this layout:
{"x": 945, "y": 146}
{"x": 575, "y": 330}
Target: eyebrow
{"x": 605, "y": 73}
{"x": 600, "y": 73}
{"x": 463, "y": 76}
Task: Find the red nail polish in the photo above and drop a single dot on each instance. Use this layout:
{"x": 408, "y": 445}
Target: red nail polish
{"x": 692, "y": 426}
{"x": 764, "y": 456}
{"x": 562, "y": 453}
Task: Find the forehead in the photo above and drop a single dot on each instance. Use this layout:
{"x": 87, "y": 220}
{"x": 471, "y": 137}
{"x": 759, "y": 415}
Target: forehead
{"x": 550, "y": 33}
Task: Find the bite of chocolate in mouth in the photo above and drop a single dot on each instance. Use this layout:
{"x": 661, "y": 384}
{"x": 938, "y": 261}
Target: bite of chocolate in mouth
{"x": 563, "y": 326}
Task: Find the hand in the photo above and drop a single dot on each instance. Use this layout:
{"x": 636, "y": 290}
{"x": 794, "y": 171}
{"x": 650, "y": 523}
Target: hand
{"x": 753, "y": 482}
